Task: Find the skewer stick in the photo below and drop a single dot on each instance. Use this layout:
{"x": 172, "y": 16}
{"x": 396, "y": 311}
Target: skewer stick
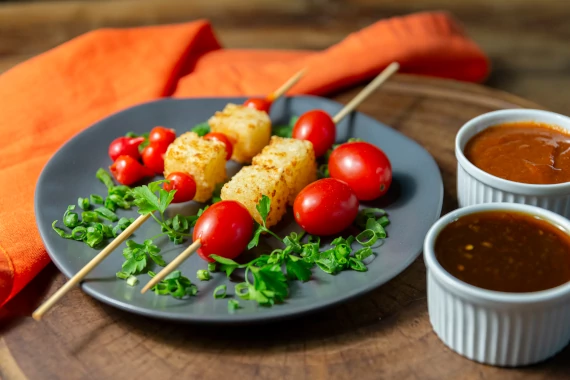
{"x": 40, "y": 311}
{"x": 366, "y": 91}
{"x": 173, "y": 265}
{"x": 286, "y": 86}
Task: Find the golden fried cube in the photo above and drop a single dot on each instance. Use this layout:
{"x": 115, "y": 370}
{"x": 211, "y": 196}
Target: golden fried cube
{"x": 251, "y": 183}
{"x": 204, "y": 160}
{"x": 295, "y": 157}
{"x": 247, "y": 128}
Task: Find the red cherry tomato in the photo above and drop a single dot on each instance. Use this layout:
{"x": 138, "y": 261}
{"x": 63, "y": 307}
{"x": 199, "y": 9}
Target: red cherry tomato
{"x": 224, "y": 229}
{"x": 125, "y": 146}
{"x": 364, "y": 167}
{"x": 153, "y": 157}
{"x": 260, "y": 104}
{"x": 162, "y": 135}
{"x": 325, "y": 207}
{"x": 184, "y": 185}
{"x": 217, "y": 136}
{"x": 317, "y": 127}
{"x": 128, "y": 171}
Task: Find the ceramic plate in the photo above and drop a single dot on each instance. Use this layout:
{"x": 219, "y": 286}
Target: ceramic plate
{"x": 413, "y": 203}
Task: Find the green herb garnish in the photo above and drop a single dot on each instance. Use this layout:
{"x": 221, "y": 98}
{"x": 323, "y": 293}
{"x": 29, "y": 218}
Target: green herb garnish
{"x": 203, "y": 275}
{"x": 201, "y": 129}
{"x": 174, "y": 285}
{"x": 233, "y": 305}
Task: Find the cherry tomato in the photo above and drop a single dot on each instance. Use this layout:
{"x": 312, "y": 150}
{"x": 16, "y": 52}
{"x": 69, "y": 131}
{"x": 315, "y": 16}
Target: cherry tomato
{"x": 184, "y": 185}
{"x": 325, "y": 207}
{"x": 260, "y": 104}
{"x": 364, "y": 167}
{"x": 317, "y": 127}
{"x": 217, "y": 136}
{"x": 224, "y": 229}
{"x": 162, "y": 135}
{"x": 128, "y": 171}
{"x": 153, "y": 157}
{"x": 125, "y": 146}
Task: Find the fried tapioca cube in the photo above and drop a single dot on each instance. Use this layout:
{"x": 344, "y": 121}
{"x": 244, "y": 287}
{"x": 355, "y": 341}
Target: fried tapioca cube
{"x": 204, "y": 160}
{"x": 295, "y": 157}
{"x": 253, "y": 182}
{"x": 247, "y": 128}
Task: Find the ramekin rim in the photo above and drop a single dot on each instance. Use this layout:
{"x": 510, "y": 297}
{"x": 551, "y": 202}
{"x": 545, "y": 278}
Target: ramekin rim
{"x": 432, "y": 264}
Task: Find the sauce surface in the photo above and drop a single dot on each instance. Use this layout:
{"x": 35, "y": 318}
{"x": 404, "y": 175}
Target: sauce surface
{"x": 505, "y": 251}
{"x": 526, "y": 152}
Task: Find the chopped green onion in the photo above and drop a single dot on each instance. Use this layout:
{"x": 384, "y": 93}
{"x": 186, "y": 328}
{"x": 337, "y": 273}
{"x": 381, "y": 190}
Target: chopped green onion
{"x": 132, "y": 280}
{"x": 93, "y": 237}
{"x": 122, "y": 275}
{"x": 367, "y": 234}
{"x": 70, "y": 219}
{"x": 90, "y": 216}
{"x": 107, "y": 214}
{"x": 83, "y": 203}
{"x": 212, "y": 267}
{"x": 60, "y": 232}
{"x": 233, "y": 305}
{"x": 220, "y": 291}
{"x": 363, "y": 253}
{"x": 110, "y": 205}
{"x": 103, "y": 176}
{"x": 78, "y": 233}
{"x": 203, "y": 275}
{"x": 96, "y": 199}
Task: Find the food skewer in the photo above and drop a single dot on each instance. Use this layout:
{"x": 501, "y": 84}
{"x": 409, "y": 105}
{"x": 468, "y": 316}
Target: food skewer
{"x": 264, "y": 104}
{"x": 79, "y": 276}
{"x": 359, "y": 98}
{"x": 40, "y": 311}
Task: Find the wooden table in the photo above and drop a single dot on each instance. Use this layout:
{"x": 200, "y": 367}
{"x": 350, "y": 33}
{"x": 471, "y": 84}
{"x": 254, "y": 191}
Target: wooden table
{"x": 385, "y": 334}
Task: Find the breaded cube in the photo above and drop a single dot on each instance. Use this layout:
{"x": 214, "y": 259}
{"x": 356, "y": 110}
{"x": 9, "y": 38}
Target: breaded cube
{"x": 251, "y": 183}
{"x": 247, "y": 128}
{"x": 204, "y": 160}
{"x": 296, "y": 157}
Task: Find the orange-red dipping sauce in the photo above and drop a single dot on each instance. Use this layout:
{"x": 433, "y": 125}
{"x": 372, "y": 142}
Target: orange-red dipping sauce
{"x": 526, "y": 152}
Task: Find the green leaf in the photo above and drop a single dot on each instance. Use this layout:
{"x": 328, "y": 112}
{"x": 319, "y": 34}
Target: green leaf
{"x": 264, "y": 207}
{"x": 323, "y": 171}
{"x": 123, "y": 223}
{"x": 165, "y": 197}
{"x": 103, "y": 176}
{"x": 212, "y": 267}
{"x": 145, "y": 199}
{"x": 298, "y": 268}
{"x": 110, "y": 205}
{"x": 107, "y": 214}
{"x": 271, "y": 282}
{"x": 122, "y": 275}
{"x": 255, "y": 239}
{"x": 233, "y": 305}
{"x": 96, "y": 199}
{"x": 226, "y": 265}
{"x": 203, "y": 275}
{"x": 220, "y": 291}
{"x": 83, "y": 203}
{"x": 119, "y": 201}
{"x": 60, "y": 232}
{"x": 201, "y": 129}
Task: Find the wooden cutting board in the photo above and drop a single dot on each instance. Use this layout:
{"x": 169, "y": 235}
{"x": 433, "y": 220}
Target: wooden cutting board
{"x": 383, "y": 335}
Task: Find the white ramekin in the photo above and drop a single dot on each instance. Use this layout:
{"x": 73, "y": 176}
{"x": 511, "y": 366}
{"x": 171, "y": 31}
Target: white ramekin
{"x": 497, "y": 328}
{"x": 474, "y": 186}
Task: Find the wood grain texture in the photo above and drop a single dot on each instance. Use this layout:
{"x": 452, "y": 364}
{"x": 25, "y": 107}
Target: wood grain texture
{"x": 527, "y": 40}
{"x": 385, "y": 334}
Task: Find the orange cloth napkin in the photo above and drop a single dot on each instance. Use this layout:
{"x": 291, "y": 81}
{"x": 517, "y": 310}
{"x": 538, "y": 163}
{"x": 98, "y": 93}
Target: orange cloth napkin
{"x": 49, "y": 98}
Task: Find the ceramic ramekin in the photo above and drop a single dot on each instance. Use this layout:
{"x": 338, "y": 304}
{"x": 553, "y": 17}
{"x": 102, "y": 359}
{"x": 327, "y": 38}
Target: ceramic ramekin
{"x": 497, "y": 328}
{"x": 474, "y": 186}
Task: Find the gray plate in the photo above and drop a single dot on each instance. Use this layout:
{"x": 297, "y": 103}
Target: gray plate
{"x": 414, "y": 203}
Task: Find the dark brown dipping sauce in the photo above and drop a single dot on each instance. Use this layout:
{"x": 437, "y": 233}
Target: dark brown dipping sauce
{"x": 505, "y": 251}
{"x": 526, "y": 152}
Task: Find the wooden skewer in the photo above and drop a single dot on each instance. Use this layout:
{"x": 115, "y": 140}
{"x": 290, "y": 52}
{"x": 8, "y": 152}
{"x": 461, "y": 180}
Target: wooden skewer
{"x": 173, "y": 265}
{"x": 366, "y": 91}
{"x": 286, "y": 86}
{"x": 40, "y": 311}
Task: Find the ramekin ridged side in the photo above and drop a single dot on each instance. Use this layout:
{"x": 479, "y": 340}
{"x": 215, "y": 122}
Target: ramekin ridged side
{"x": 496, "y": 328}
{"x": 474, "y": 186}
